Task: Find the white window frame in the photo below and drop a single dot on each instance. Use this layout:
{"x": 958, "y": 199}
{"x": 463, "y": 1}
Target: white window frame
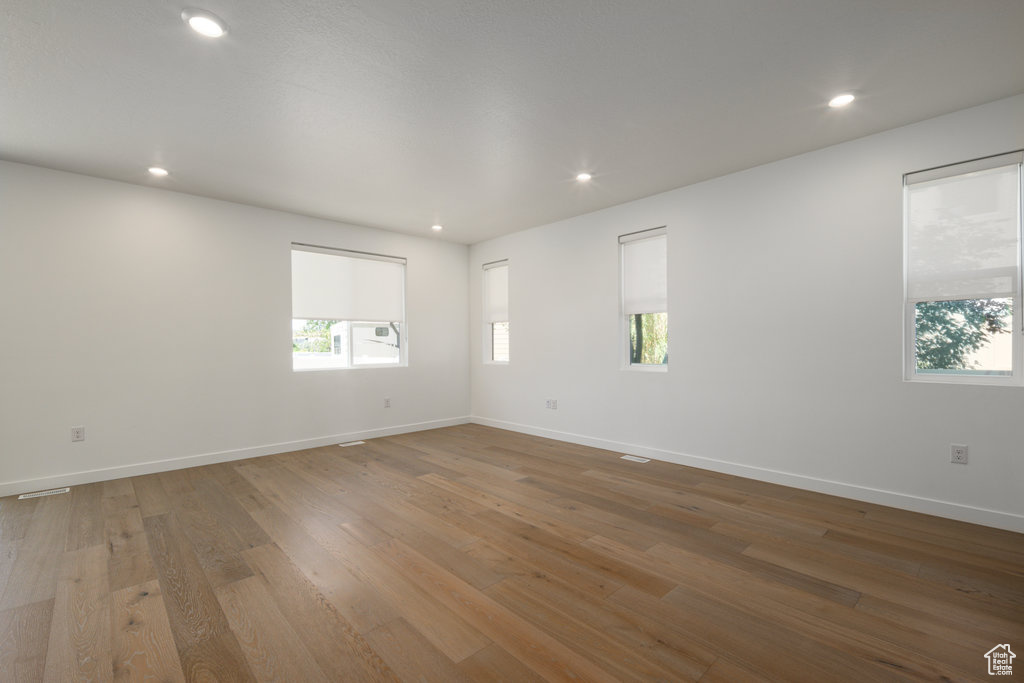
{"x": 488, "y": 326}
{"x": 910, "y": 372}
{"x": 624, "y": 331}
{"x": 403, "y": 332}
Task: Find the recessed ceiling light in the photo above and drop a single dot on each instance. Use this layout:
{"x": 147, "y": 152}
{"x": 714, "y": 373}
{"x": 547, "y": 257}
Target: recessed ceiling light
{"x": 584, "y": 177}
{"x": 841, "y": 100}
{"x": 158, "y": 172}
{"x": 437, "y": 228}
{"x": 204, "y": 23}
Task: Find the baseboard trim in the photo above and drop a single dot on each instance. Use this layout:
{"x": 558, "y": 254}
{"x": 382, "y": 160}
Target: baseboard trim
{"x": 11, "y": 488}
{"x": 903, "y": 501}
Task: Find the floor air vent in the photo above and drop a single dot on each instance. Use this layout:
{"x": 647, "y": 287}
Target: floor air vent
{"x": 633, "y": 458}
{"x": 40, "y": 494}
{"x": 351, "y": 443}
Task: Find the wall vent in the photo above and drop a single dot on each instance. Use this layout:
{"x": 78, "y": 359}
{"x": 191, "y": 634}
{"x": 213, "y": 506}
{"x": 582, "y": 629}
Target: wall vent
{"x": 40, "y": 494}
{"x": 634, "y": 458}
{"x": 350, "y": 443}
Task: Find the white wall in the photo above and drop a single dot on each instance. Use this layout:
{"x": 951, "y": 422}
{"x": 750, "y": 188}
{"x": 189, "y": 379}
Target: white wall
{"x": 785, "y": 305}
{"x": 162, "y": 323}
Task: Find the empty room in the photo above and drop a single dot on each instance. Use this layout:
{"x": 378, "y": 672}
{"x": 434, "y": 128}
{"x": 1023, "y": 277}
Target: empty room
{"x": 381, "y": 340}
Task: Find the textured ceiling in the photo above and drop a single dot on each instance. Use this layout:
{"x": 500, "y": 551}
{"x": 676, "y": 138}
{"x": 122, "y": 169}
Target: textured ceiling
{"x": 398, "y": 114}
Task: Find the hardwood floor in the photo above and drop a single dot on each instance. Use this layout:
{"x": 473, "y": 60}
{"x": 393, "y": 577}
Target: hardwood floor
{"x": 470, "y": 553}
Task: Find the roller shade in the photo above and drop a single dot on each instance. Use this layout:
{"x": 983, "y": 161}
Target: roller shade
{"x": 330, "y": 284}
{"x": 496, "y": 292}
{"x": 962, "y": 234}
{"x": 644, "y": 272}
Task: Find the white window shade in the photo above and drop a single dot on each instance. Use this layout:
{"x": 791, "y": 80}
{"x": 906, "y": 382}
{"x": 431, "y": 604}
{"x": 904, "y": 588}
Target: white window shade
{"x": 338, "y": 285}
{"x": 644, "y": 273}
{"x": 962, "y": 236}
{"x": 496, "y": 293}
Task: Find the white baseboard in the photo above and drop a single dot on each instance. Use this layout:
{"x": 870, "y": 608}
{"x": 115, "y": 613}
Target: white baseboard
{"x": 904, "y": 501}
{"x": 11, "y": 488}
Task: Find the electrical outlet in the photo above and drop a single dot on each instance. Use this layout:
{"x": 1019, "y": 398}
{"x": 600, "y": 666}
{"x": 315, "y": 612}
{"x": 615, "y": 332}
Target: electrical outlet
{"x": 387, "y": 403}
{"x": 551, "y": 404}
{"x": 78, "y": 433}
{"x": 958, "y": 453}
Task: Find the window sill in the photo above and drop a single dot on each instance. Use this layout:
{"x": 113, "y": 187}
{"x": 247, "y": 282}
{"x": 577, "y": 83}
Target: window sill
{"x": 354, "y": 367}
{"x": 495, "y": 362}
{"x": 965, "y": 380}
{"x": 645, "y": 368}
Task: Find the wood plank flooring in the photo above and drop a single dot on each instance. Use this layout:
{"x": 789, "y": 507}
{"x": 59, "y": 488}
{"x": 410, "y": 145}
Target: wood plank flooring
{"x": 476, "y": 554}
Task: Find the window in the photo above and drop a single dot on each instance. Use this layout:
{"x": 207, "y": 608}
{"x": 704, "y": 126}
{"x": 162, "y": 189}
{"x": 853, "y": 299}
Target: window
{"x": 963, "y": 276}
{"x": 496, "y": 324}
{"x": 348, "y": 309}
{"x": 645, "y": 298}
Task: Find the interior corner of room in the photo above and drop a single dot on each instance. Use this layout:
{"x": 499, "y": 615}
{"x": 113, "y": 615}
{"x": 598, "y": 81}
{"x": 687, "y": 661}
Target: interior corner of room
{"x": 543, "y": 341}
{"x": 160, "y": 321}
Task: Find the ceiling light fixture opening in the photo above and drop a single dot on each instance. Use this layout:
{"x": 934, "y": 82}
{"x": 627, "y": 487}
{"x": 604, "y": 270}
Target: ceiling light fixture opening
{"x": 204, "y": 23}
{"x": 584, "y": 177}
{"x": 158, "y": 172}
{"x": 841, "y": 100}
{"x": 437, "y": 228}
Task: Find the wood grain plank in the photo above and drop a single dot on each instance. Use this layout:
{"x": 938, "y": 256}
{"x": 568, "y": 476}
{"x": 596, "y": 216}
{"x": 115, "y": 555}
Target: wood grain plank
{"x": 142, "y": 646}
{"x": 201, "y": 633}
{"x": 411, "y": 656}
{"x": 494, "y": 665}
{"x": 339, "y": 649}
{"x": 451, "y": 557}
{"x": 976, "y": 610}
{"x": 86, "y": 527}
{"x": 507, "y": 554}
{"x": 533, "y": 647}
{"x": 942, "y": 630}
{"x": 177, "y": 484}
{"x": 129, "y": 562}
{"x": 215, "y": 545}
{"x": 621, "y": 659}
{"x": 33, "y": 576}
{"x": 24, "y": 637}
{"x": 353, "y": 598}
{"x": 506, "y": 507}
{"x": 838, "y": 626}
{"x": 230, "y": 514}
{"x": 448, "y": 632}
{"x": 727, "y": 671}
{"x": 644, "y": 637}
{"x": 916, "y": 551}
{"x": 400, "y": 518}
{"x": 8, "y": 554}
{"x": 205, "y": 660}
{"x": 616, "y": 570}
{"x": 79, "y": 648}
{"x": 152, "y": 498}
{"x": 274, "y": 651}
{"x": 449, "y": 458}
{"x": 15, "y": 517}
{"x": 756, "y": 645}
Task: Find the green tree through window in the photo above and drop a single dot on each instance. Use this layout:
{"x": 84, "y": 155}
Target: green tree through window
{"x": 648, "y": 339}
{"x": 948, "y": 332}
{"x": 315, "y": 336}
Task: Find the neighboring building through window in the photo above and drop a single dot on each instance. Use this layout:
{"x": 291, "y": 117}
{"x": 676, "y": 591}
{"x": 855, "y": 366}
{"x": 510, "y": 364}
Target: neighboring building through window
{"x": 496, "y": 318}
{"x": 644, "y": 268}
{"x": 963, "y": 274}
{"x": 348, "y": 309}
